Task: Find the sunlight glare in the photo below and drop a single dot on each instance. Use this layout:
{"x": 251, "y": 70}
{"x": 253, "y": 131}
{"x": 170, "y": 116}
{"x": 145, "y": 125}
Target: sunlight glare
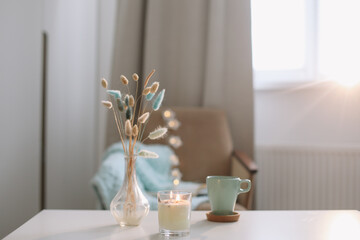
{"x": 339, "y": 48}
{"x": 348, "y": 82}
{"x": 345, "y": 226}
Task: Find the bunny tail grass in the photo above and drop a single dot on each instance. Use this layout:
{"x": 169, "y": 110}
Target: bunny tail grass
{"x": 135, "y": 130}
{"x": 107, "y": 104}
{"x": 128, "y": 128}
{"x": 135, "y": 77}
{"x": 142, "y": 119}
{"x": 104, "y": 83}
{"x": 148, "y": 77}
{"x": 114, "y": 93}
{"x": 146, "y": 91}
{"x": 158, "y": 100}
{"x": 154, "y": 87}
{"x": 147, "y": 154}
{"x": 124, "y": 80}
{"x": 150, "y": 96}
{"x": 131, "y": 101}
{"x": 158, "y": 133}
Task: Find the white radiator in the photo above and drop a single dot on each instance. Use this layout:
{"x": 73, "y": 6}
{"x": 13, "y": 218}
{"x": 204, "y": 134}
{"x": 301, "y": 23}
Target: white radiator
{"x": 307, "y": 178}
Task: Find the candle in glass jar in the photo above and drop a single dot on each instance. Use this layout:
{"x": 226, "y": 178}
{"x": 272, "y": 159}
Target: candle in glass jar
{"x": 174, "y": 213}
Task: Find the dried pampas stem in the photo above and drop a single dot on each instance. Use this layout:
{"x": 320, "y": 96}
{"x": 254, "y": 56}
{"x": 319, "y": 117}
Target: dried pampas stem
{"x": 118, "y": 128}
{"x": 148, "y": 77}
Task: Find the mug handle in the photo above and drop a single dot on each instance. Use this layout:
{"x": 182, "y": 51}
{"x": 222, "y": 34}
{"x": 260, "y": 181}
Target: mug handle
{"x": 241, "y": 190}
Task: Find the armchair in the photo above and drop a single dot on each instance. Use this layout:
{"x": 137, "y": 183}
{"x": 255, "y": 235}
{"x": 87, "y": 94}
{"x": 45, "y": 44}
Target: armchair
{"x": 207, "y": 148}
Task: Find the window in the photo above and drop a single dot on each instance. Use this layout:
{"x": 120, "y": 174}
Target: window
{"x": 297, "y": 41}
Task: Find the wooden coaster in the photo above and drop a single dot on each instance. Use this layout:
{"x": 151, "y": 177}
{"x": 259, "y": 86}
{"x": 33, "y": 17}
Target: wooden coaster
{"x": 222, "y": 218}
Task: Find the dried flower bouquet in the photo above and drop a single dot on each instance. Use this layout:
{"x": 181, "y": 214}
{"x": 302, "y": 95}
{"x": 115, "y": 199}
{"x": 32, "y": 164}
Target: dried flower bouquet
{"x": 128, "y": 127}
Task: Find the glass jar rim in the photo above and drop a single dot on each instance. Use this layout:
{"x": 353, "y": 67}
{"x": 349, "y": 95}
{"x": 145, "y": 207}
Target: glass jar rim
{"x": 178, "y": 192}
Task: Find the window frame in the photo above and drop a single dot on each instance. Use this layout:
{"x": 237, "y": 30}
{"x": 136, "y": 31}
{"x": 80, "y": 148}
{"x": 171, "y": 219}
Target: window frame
{"x": 280, "y": 79}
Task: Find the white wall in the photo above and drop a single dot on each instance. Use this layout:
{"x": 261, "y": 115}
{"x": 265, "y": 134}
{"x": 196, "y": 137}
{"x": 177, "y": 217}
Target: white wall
{"x": 327, "y": 115}
{"x": 72, "y": 102}
{"x": 20, "y": 102}
{"x": 305, "y": 138}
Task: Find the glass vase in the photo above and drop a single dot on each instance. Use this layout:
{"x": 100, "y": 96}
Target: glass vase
{"x": 129, "y": 206}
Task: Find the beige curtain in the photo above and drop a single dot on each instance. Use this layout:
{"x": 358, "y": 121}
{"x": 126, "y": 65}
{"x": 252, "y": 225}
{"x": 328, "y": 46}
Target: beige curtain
{"x": 201, "y": 51}
{"x": 128, "y": 51}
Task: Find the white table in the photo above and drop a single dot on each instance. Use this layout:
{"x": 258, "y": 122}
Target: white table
{"x": 289, "y": 225}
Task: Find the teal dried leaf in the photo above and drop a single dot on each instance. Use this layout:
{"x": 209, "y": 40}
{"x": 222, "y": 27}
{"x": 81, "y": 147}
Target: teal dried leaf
{"x": 120, "y": 104}
{"x": 158, "y": 100}
{"x": 150, "y": 96}
{"x": 129, "y": 113}
{"x": 115, "y": 93}
{"x": 127, "y": 100}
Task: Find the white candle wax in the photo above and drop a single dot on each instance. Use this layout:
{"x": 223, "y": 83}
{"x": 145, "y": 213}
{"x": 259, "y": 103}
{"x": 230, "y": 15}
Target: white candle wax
{"x": 174, "y": 214}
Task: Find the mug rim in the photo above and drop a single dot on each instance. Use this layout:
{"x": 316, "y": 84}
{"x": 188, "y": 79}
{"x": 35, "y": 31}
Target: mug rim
{"x": 222, "y": 177}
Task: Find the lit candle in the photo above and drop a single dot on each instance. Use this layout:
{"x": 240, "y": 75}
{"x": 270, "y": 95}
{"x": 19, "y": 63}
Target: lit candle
{"x": 174, "y": 209}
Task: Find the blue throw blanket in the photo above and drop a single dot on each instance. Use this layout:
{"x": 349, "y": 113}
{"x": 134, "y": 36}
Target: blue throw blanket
{"x": 152, "y": 174}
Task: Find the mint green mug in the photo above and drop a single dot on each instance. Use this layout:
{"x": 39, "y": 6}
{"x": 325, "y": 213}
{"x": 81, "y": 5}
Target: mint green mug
{"x": 223, "y": 191}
